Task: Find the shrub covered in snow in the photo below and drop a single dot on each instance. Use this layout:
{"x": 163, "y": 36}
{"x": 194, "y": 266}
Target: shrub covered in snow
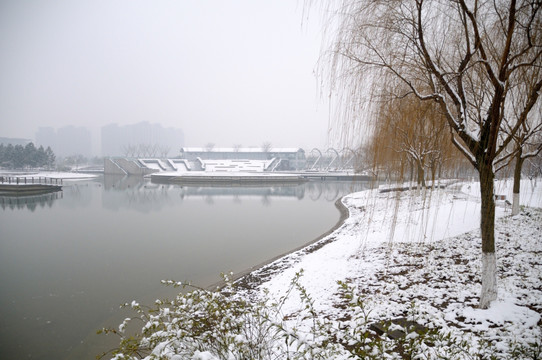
{"x": 225, "y": 325}
{"x": 211, "y": 325}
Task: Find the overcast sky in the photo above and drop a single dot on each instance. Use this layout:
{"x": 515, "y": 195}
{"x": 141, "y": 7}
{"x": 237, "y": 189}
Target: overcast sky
{"x": 226, "y": 72}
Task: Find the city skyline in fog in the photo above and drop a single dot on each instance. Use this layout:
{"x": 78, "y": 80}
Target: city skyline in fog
{"x": 228, "y": 73}
{"x": 110, "y": 140}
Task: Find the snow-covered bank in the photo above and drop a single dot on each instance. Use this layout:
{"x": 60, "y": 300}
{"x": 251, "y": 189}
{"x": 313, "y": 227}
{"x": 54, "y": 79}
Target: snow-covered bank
{"x": 414, "y": 252}
{"x": 401, "y": 258}
{"x": 49, "y": 174}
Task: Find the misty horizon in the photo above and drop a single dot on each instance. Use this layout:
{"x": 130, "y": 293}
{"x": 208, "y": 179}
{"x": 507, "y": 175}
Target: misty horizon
{"x": 235, "y": 73}
{"x": 116, "y": 140}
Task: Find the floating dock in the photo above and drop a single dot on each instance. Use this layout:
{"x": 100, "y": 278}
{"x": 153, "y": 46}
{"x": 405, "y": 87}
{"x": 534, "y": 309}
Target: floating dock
{"x": 27, "y": 189}
{"x": 252, "y": 178}
{"x": 342, "y": 176}
{"x": 227, "y": 178}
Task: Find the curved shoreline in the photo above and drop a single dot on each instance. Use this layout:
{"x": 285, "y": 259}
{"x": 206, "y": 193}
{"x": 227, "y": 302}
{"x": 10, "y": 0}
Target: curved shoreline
{"x": 248, "y": 279}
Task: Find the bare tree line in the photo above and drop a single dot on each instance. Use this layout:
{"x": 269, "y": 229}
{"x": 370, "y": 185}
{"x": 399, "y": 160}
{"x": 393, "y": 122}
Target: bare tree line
{"x": 145, "y": 150}
{"x": 416, "y": 70}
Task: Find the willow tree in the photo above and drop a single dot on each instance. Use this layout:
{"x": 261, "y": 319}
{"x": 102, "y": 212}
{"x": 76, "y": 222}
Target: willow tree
{"x": 411, "y": 131}
{"x": 464, "y": 56}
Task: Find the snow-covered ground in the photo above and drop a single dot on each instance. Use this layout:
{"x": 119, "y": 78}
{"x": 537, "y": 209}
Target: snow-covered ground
{"x": 417, "y": 255}
{"x": 49, "y": 175}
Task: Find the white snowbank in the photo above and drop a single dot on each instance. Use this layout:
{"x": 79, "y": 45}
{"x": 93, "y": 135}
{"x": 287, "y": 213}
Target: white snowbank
{"x": 59, "y": 175}
{"x": 423, "y": 248}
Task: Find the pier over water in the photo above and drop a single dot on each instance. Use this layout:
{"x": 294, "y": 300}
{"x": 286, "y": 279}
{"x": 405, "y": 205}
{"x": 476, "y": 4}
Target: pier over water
{"x": 20, "y": 186}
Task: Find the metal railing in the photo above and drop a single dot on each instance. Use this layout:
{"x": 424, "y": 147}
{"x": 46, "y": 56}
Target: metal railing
{"x": 18, "y": 180}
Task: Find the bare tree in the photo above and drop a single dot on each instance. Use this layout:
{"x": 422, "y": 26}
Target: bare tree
{"x": 534, "y": 166}
{"x": 209, "y": 147}
{"x": 164, "y": 150}
{"x": 467, "y": 57}
{"x": 266, "y": 146}
{"x": 527, "y": 145}
{"x": 126, "y": 150}
{"x": 129, "y": 150}
{"x": 527, "y": 141}
{"x": 153, "y": 149}
{"x": 144, "y": 150}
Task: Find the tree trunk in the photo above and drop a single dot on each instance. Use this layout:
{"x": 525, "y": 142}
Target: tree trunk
{"x": 489, "y": 260}
{"x": 411, "y": 166}
{"x": 421, "y": 174}
{"x": 517, "y": 179}
{"x": 433, "y": 173}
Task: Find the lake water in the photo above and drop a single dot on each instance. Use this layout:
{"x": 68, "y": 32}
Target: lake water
{"x": 69, "y": 259}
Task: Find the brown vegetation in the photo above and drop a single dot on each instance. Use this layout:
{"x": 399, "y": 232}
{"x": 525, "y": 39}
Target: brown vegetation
{"x": 478, "y": 61}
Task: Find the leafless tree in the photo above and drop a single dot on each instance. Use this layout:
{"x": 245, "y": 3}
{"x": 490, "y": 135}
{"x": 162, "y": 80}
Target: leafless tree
{"x": 209, "y": 146}
{"x": 143, "y": 150}
{"x": 526, "y": 145}
{"x": 126, "y": 151}
{"x": 153, "y": 149}
{"x": 163, "y": 150}
{"x": 266, "y": 146}
{"x": 466, "y": 56}
{"x": 527, "y": 141}
{"x": 129, "y": 150}
{"x": 534, "y": 166}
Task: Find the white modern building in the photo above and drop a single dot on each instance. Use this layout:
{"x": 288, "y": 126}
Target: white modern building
{"x": 283, "y": 159}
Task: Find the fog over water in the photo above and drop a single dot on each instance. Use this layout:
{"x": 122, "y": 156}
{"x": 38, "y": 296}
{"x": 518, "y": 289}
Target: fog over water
{"x": 226, "y": 72}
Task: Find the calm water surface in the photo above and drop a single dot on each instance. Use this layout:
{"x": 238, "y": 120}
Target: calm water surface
{"x": 69, "y": 259}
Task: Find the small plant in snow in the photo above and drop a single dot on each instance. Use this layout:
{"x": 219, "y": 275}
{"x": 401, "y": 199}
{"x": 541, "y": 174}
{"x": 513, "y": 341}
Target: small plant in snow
{"x": 362, "y": 339}
{"x": 212, "y": 325}
{"x": 198, "y": 324}
{"x": 225, "y": 325}
{"x": 531, "y": 351}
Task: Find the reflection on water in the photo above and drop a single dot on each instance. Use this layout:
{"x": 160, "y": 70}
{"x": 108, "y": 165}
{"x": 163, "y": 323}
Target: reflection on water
{"x": 121, "y": 182}
{"x": 67, "y": 260}
{"x": 131, "y": 192}
{"x": 30, "y": 202}
{"x": 238, "y": 193}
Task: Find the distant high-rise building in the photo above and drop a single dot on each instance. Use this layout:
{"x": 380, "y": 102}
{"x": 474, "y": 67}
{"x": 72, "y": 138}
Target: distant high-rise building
{"x": 141, "y": 139}
{"x": 14, "y": 141}
{"x": 66, "y": 141}
{"x": 46, "y": 136}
